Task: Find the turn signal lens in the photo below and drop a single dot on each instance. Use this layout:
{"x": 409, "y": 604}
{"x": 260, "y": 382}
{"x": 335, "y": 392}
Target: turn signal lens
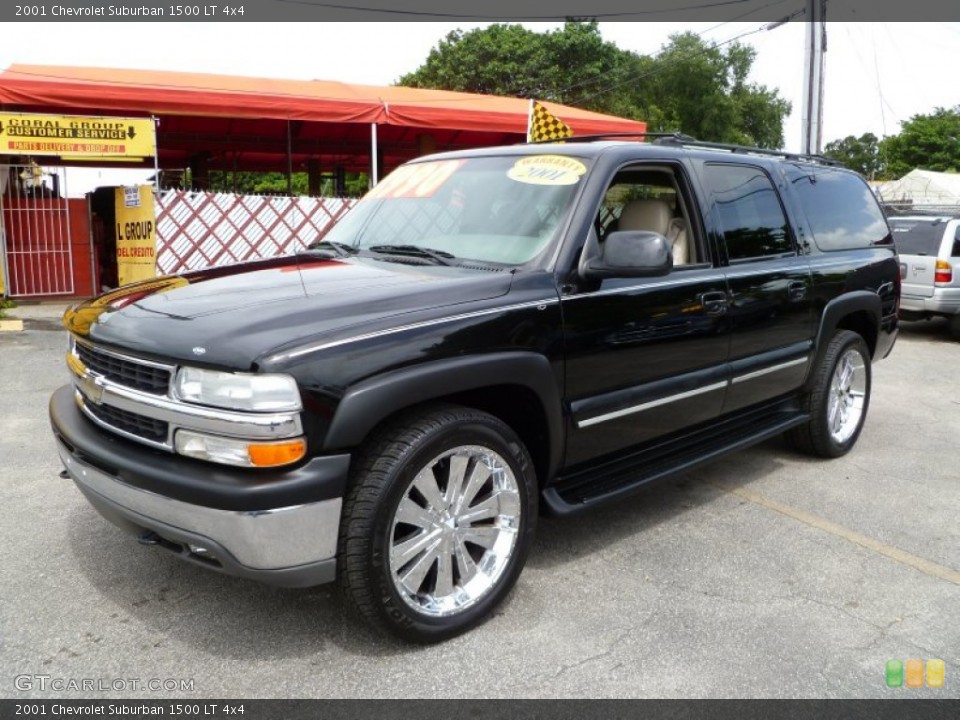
{"x": 277, "y": 453}
{"x": 943, "y": 272}
{"x": 244, "y": 453}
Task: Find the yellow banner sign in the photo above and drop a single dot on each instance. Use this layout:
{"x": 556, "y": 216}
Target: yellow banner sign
{"x": 103, "y": 138}
{"x": 136, "y": 234}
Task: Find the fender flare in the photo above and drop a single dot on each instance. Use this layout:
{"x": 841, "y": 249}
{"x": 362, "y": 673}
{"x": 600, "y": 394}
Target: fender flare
{"x": 370, "y": 401}
{"x": 834, "y": 312}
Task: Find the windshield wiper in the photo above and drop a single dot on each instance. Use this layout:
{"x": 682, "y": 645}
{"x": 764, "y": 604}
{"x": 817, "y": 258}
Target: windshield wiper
{"x": 438, "y": 256}
{"x": 337, "y": 248}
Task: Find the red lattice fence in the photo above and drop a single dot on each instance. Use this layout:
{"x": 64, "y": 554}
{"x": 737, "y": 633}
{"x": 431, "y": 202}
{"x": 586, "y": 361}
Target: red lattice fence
{"x": 197, "y": 230}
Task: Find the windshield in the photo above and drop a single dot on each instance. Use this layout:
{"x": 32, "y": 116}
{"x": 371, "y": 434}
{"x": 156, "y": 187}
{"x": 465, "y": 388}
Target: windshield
{"x": 503, "y": 210}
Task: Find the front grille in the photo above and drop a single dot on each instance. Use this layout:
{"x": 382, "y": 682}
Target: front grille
{"x": 125, "y": 372}
{"x": 144, "y": 427}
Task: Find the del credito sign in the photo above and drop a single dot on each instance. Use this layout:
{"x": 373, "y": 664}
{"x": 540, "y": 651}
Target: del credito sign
{"x": 136, "y": 233}
{"x": 76, "y": 136}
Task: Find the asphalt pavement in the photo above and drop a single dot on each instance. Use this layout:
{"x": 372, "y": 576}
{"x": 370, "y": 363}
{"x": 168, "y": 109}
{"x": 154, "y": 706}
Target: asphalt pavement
{"x": 766, "y": 574}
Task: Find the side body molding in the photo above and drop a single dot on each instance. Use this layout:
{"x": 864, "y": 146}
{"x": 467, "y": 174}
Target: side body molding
{"x": 369, "y": 402}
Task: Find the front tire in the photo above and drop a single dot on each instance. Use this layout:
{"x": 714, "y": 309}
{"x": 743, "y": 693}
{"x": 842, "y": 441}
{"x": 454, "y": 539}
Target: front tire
{"x": 838, "y": 400}
{"x": 437, "y": 522}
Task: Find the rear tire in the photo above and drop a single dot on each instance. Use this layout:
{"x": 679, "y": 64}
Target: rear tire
{"x": 838, "y": 399}
{"x": 437, "y": 522}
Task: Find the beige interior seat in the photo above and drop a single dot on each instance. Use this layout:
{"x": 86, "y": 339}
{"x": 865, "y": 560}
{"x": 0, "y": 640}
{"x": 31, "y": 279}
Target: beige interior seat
{"x": 656, "y": 216}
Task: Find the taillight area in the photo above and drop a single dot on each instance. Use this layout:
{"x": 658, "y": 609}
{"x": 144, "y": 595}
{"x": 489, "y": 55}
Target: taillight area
{"x": 943, "y": 272}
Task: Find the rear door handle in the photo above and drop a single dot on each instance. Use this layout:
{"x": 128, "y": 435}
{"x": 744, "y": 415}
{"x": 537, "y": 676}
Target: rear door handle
{"x": 797, "y": 290}
{"x": 714, "y": 303}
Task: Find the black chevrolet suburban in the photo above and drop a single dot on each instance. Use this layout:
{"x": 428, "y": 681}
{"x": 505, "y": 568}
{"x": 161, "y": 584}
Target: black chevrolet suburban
{"x": 487, "y": 335}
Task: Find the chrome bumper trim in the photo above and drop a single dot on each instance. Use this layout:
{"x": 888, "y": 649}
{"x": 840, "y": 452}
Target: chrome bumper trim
{"x": 260, "y": 540}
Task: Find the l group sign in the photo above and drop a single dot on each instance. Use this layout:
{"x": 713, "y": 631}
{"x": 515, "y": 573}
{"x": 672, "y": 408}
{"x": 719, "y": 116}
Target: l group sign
{"x": 136, "y": 233}
{"x": 77, "y": 137}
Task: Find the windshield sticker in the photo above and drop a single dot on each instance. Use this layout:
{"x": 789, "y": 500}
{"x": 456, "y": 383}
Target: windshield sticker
{"x": 420, "y": 180}
{"x": 547, "y": 170}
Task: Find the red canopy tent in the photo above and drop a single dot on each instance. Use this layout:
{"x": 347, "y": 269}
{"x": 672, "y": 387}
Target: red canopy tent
{"x": 243, "y": 123}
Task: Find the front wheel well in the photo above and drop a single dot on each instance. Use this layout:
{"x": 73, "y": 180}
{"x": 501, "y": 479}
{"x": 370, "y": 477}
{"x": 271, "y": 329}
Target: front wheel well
{"x": 521, "y": 409}
{"x": 516, "y": 405}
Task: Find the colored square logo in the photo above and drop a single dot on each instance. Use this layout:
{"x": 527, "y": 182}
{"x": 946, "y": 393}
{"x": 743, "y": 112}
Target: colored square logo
{"x": 914, "y": 673}
{"x": 894, "y": 673}
{"x": 936, "y": 672}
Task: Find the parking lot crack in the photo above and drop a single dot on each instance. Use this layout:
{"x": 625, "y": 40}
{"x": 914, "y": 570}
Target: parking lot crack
{"x": 844, "y": 611}
{"x": 616, "y": 643}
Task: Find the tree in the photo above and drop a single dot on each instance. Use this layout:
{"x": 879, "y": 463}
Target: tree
{"x": 929, "y": 142}
{"x": 859, "y": 153}
{"x": 275, "y": 183}
{"x": 691, "y": 86}
{"x": 703, "y": 90}
{"x": 566, "y": 66}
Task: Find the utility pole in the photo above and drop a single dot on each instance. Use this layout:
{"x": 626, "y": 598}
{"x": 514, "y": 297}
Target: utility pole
{"x": 815, "y": 47}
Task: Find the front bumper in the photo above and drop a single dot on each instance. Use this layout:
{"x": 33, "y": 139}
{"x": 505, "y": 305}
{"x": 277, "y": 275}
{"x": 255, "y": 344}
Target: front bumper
{"x": 287, "y": 537}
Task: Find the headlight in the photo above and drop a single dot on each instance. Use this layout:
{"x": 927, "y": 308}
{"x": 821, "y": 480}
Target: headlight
{"x": 237, "y": 391}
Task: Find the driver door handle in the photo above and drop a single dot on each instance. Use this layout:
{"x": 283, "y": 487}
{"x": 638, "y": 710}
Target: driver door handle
{"x": 714, "y": 303}
{"x": 797, "y": 290}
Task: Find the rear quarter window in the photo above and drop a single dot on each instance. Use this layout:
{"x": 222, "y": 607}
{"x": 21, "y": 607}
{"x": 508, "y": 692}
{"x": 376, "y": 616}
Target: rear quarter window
{"x": 917, "y": 237}
{"x": 841, "y": 210}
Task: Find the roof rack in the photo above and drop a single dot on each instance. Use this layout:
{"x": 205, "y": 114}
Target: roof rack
{"x": 897, "y": 210}
{"x": 603, "y": 136}
{"x": 676, "y": 139}
{"x": 679, "y": 139}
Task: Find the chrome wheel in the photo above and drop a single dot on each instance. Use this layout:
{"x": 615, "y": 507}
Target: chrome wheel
{"x": 848, "y": 389}
{"x": 454, "y": 531}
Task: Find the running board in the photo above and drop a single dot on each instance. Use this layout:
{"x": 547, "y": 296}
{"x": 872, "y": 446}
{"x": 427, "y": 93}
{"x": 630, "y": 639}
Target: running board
{"x": 614, "y": 480}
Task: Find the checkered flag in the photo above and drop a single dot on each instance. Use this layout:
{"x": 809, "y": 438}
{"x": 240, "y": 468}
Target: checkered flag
{"x": 544, "y": 126}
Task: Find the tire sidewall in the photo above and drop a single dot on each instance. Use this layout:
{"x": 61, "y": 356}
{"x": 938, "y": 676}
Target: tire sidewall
{"x": 840, "y": 347}
{"x": 477, "y": 430}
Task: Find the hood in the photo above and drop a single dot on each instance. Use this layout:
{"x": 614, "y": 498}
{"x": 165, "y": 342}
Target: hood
{"x": 230, "y": 316}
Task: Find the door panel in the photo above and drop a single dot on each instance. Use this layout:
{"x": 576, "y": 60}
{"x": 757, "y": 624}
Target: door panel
{"x": 644, "y": 358}
{"x": 771, "y": 329}
{"x": 770, "y": 314}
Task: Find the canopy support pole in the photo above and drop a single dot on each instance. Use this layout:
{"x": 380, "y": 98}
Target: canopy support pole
{"x": 289, "y": 160}
{"x": 156, "y": 156}
{"x": 374, "y": 170}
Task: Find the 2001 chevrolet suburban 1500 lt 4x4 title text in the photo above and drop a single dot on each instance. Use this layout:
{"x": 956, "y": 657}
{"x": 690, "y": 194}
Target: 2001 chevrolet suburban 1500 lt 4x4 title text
{"x": 489, "y": 334}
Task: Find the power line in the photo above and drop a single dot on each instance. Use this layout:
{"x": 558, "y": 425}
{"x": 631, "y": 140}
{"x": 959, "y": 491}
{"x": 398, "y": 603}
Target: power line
{"x": 477, "y": 16}
{"x": 599, "y": 78}
{"x": 876, "y": 68}
{"x": 474, "y": 96}
{"x": 866, "y": 68}
{"x": 705, "y": 50}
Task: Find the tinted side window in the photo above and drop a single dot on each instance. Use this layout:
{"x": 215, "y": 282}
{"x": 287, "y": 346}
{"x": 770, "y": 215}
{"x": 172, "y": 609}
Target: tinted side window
{"x": 956, "y": 243}
{"x": 751, "y": 216}
{"x": 840, "y": 208}
{"x": 917, "y": 237}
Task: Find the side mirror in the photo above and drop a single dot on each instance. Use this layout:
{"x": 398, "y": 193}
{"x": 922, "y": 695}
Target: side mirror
{"x": 627, "y": 253}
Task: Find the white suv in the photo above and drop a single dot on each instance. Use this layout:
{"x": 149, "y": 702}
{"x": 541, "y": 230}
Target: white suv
{"x": 929, "y": 250}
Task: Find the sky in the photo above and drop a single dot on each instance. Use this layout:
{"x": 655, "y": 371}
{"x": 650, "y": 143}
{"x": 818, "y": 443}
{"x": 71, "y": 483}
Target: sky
{"x": 877, "y": 74}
